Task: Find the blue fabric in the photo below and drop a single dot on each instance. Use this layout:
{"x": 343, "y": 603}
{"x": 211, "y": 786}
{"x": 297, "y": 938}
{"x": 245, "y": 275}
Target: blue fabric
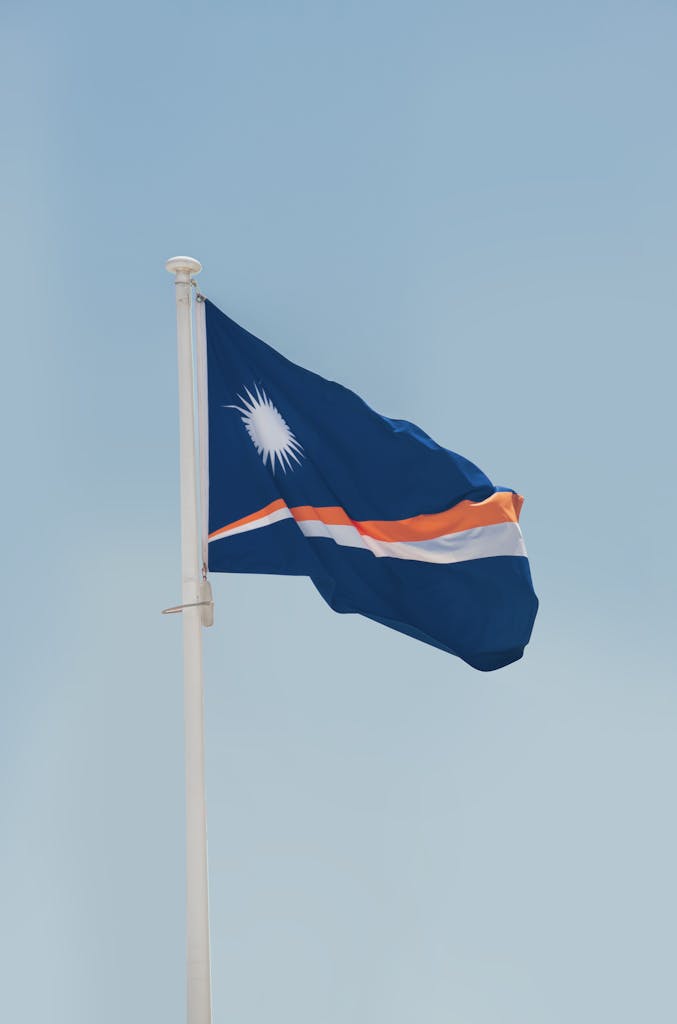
{"x": 376, "y": 469}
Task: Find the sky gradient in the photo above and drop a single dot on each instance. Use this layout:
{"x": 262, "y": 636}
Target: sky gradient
{"x": 466, "y": 213}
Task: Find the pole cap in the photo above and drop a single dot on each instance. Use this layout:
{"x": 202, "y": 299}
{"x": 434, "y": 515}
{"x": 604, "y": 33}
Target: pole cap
{"x": 177, "y": 264}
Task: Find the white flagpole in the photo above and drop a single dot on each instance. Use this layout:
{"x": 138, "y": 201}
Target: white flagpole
{"x": 192, "y": 597}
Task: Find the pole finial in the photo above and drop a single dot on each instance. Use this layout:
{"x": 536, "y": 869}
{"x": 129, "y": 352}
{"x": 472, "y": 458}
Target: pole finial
{"x": 185, "y": 264}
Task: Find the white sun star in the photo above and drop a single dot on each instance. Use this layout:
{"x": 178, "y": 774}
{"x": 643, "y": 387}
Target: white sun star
{"x": 267, "y": 429}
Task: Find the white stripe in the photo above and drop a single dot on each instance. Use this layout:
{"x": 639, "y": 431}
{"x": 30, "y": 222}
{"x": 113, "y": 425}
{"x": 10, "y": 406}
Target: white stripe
{"x": 463, "y": 546}
{"x": 273, "y": 517}
{"x": 479, "y": 542}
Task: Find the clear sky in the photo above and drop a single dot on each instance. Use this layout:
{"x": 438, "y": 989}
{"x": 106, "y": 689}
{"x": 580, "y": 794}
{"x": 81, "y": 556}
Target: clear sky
{"x": 466, "y": 212}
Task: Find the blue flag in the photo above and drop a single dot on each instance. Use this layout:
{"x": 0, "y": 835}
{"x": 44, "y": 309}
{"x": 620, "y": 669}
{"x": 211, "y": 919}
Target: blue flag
{"x": 305, "y": 479}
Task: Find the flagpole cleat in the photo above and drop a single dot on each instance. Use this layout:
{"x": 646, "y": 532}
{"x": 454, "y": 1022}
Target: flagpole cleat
{"x": 207, "y": 604}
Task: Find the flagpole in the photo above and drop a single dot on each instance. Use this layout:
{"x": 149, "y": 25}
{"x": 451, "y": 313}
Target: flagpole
{"x": 198, "y": 983}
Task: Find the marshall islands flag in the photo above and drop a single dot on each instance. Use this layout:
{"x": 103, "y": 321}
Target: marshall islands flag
{"x": 305, "y": 479}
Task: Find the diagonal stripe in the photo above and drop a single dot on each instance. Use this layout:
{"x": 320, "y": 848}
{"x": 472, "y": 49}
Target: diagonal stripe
{"x": 501, "y": 507}
{"x": 462, "y": 546}
{"x": 467, "y": 531}
{"x": 251, "y": 522}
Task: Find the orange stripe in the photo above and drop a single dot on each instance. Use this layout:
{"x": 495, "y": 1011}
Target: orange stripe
{"x": 261, "y": 514}
{"x": 502, "y": 507}
{"x": 332, "y": 515}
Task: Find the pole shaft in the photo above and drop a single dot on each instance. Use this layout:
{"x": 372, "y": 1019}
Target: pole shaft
{"x": 197, "y": 902}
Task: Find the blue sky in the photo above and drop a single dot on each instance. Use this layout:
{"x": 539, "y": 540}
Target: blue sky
{"x": 465, "y": 212}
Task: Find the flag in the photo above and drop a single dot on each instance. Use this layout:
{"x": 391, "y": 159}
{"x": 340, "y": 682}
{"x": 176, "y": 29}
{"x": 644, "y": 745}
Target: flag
{"x": 305, "y": 479}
